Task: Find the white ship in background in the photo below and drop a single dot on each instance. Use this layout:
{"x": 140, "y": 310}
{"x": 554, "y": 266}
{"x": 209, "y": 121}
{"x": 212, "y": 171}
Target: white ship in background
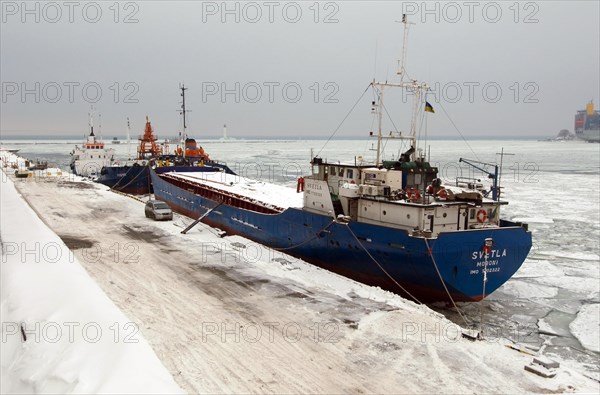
{"x": 92, "y": 156}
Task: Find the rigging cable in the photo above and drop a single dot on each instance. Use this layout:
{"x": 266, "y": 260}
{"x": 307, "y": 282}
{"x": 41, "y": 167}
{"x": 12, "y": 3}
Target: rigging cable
{"x": 455, "y": 127}
{"x": 343, "y": 120}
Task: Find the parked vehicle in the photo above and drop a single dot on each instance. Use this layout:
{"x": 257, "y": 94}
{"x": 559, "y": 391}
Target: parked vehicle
{"x": 158, "y": 210}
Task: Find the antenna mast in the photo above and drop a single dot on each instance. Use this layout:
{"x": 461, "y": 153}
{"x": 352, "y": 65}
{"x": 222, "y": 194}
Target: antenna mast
{"x": 128, "y": 139}
{"x": 91, "y": 122}
{"x": 414, "y": 86}
{"x": 402, "y": 60}
{"x": 182, "y": 112}
{"x": 100, "y": 126}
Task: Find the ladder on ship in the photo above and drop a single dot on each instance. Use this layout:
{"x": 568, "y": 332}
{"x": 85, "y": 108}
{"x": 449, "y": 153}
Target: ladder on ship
{"x": 196, "y": 222}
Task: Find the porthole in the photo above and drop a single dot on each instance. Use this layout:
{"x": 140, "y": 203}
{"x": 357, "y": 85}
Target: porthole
{"x": 408, "y": 216}
{"x": 384, "y": 213}
{"x": 445, "y": 215}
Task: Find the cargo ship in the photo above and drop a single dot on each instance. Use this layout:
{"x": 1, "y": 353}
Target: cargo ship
{"x": 587, "y": 124}
{"x": 133, "y": 177}
{"x": 387, "y": 223}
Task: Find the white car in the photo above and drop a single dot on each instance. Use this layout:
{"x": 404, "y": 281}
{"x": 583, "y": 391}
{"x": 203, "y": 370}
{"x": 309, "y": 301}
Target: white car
{"x": 158, "y": 210}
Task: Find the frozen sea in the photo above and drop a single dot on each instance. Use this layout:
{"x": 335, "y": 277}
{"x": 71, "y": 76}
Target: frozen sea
{"x": 552, "y": 302}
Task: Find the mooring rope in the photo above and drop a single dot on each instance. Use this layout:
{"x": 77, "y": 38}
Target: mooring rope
{"x": 444, "y": 283}
{"x": 305, "y": 241}
{"x": 381, "y": 267}
{"x": 126, "y": 185}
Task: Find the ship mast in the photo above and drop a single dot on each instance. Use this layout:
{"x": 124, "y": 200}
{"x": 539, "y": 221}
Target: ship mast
{"x": 128, "y": 140}
{"x": 91, "y": 121}
{"x": 402, "y": 60}
{"x": 413, "y": 86}
{"x": 182, "y": 112}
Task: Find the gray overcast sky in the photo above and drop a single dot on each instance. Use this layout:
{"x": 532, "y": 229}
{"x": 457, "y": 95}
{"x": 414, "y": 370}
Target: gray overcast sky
{"x": 498, "y": 68}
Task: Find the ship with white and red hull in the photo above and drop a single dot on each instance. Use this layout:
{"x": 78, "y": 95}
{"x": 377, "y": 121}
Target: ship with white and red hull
{"x": 93, "y": 155}
{"x": 388, "y": 223}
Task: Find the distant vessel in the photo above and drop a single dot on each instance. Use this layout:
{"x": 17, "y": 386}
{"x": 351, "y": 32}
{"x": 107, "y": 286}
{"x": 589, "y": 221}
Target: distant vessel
{"x": 587, "y": 124}
{"x": 115, "y": 141}
{"x": 385, "y": 223}
{"x": 132, "y": 176}
{"x": 88, "y": 160}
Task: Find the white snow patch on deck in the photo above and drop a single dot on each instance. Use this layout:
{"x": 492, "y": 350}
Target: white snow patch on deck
{"x": 260, "y": 191}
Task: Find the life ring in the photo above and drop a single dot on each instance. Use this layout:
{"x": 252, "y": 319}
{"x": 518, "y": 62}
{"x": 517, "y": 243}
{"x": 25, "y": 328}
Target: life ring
{"x": 413, "y": 194}
{"x": 442, "y": 194}
{"x": 481, "y": 216}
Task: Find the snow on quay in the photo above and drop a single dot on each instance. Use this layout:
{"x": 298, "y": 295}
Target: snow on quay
{"x": 60, "y": 333}
{"x": 223, "y": 315}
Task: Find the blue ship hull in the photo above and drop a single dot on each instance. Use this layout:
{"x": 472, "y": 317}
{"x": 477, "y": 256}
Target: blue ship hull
{"x": 419, "y": 265}
{"x": 136, "y": 180}
{"x": 128, "y": 179}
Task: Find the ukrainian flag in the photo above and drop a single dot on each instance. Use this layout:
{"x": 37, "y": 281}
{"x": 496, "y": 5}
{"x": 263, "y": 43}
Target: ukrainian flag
{"x": 429, "y": 107}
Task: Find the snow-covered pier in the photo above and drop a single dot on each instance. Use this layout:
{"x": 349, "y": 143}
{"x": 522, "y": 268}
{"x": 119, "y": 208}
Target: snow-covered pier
{"x": 221, "y": 315}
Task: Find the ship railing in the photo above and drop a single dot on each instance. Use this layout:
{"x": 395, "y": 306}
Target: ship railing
{"x": 504, "y": 223}
{"x": 469, "y": 182}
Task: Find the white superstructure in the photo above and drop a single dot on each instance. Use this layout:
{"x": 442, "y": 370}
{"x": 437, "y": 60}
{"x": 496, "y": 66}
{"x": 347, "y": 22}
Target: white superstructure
{"x": 91, "y": 157}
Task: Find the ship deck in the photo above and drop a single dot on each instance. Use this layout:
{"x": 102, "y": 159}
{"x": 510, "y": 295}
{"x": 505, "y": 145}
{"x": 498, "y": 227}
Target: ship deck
{"x": 268, "y": 194}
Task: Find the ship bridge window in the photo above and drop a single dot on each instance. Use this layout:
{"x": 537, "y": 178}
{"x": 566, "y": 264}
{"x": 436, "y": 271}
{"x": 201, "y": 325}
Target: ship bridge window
{"x": 332, "y": 170}
{"x": 341, "y": 172}
{"x": 472, "y": 213}
{"x": 349, "y": 173}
